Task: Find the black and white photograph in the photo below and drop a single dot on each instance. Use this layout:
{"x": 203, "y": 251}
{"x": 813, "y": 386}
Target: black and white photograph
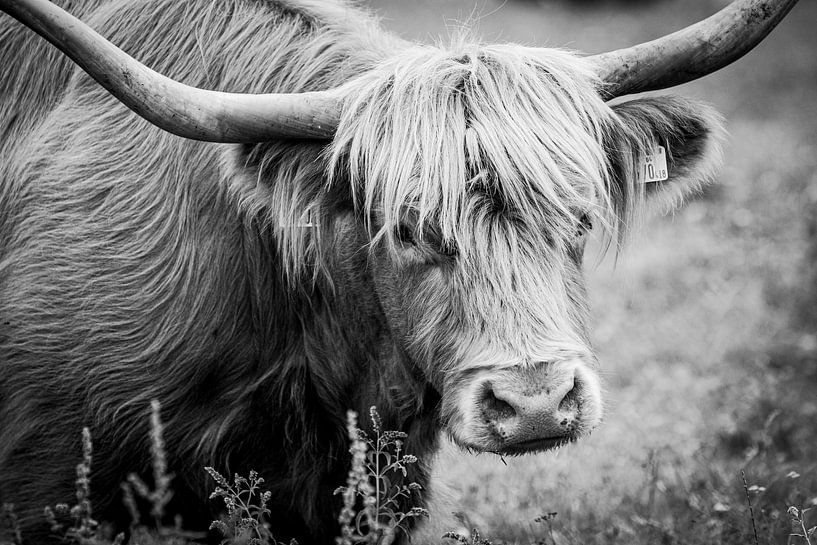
{"x": 391, "y": 272}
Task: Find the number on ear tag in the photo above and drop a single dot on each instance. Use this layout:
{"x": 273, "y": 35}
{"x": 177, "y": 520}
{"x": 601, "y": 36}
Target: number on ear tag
{"x": 308, "y": 219}
{"x": 655, "y": 165}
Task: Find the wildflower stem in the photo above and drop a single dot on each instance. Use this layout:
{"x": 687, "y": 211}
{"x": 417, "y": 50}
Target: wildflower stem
{"x": 803, "y": 527}
{"x": 749, "y": 501}
{"x": 377, "y": 479}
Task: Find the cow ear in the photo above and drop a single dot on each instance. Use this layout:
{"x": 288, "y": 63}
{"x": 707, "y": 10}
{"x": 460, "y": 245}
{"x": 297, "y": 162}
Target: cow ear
{"x": 283, "y": 181}
{"x": 281, "y": 189}
{"x": 690, "y": 134}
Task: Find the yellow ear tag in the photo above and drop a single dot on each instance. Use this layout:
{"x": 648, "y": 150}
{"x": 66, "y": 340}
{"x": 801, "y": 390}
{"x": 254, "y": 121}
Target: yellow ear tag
{"x": 655, "y": 165}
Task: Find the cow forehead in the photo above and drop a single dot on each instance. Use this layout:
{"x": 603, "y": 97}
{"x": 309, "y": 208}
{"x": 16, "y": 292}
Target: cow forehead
{"x": 435, "y": 127}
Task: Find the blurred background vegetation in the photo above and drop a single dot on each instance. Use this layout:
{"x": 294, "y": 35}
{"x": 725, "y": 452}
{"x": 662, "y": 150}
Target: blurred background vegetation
{"x": 706, "y": 325}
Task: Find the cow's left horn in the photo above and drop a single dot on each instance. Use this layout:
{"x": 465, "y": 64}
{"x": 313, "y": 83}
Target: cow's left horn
{"x": 194, "y": 113}
{"x": 692, "y": 52}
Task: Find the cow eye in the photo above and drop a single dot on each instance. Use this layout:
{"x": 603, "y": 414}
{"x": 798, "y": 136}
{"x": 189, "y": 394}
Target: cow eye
{"x": 585, "y": 225}
{"x": 404, "y": 234}
{"x": 448, "y": 248}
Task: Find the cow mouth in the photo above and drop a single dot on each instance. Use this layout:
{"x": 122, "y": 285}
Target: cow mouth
{"x": 535, "y": 445}
{"x": 502, "y": 447}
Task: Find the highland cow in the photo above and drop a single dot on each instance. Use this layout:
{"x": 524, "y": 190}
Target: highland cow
{"x": 413, "y": 241}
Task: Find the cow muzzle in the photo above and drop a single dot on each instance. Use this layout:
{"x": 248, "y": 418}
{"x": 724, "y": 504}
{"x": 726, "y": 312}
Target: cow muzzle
{"x": 531, "y": 407}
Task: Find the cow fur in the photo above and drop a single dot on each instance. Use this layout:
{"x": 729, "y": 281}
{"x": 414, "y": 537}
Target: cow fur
{"x": 135, "y": 265}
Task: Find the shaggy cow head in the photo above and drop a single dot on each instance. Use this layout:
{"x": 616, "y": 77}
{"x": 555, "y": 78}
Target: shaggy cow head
{"x": 477, "y": 174}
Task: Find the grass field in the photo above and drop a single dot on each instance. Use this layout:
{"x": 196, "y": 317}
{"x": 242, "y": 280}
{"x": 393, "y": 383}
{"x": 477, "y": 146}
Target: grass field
{"x": 706, "y": 327}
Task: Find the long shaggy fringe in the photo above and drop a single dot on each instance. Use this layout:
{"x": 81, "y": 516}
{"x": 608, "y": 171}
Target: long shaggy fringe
{"x": 468, "y": 134}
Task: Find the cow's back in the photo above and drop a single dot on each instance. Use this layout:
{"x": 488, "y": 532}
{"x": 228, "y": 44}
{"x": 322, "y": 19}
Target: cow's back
{"x": 127, "y": 269}
{"x": 33, "y": 77}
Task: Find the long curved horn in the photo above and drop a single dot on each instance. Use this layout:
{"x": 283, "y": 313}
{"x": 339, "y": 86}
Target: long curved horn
{"x": 190, "y": 112}
{"x": 692, "y": 52}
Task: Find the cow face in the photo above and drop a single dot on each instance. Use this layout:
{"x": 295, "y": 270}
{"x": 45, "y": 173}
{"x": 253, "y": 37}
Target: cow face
{"x": 497, "y": 324}
{"x": 477, "y": 177}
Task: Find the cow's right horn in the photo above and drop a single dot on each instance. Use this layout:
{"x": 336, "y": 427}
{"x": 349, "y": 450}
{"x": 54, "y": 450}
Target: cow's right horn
{"x": 199, "y": 114}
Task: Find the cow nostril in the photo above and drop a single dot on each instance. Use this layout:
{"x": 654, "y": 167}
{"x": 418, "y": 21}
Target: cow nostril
{"x": 570, "y": 402}
{"x": 494, "y": 408}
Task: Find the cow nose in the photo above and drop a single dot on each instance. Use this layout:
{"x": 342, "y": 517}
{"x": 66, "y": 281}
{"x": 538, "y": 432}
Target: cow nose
{"x": 529, "y": 413}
